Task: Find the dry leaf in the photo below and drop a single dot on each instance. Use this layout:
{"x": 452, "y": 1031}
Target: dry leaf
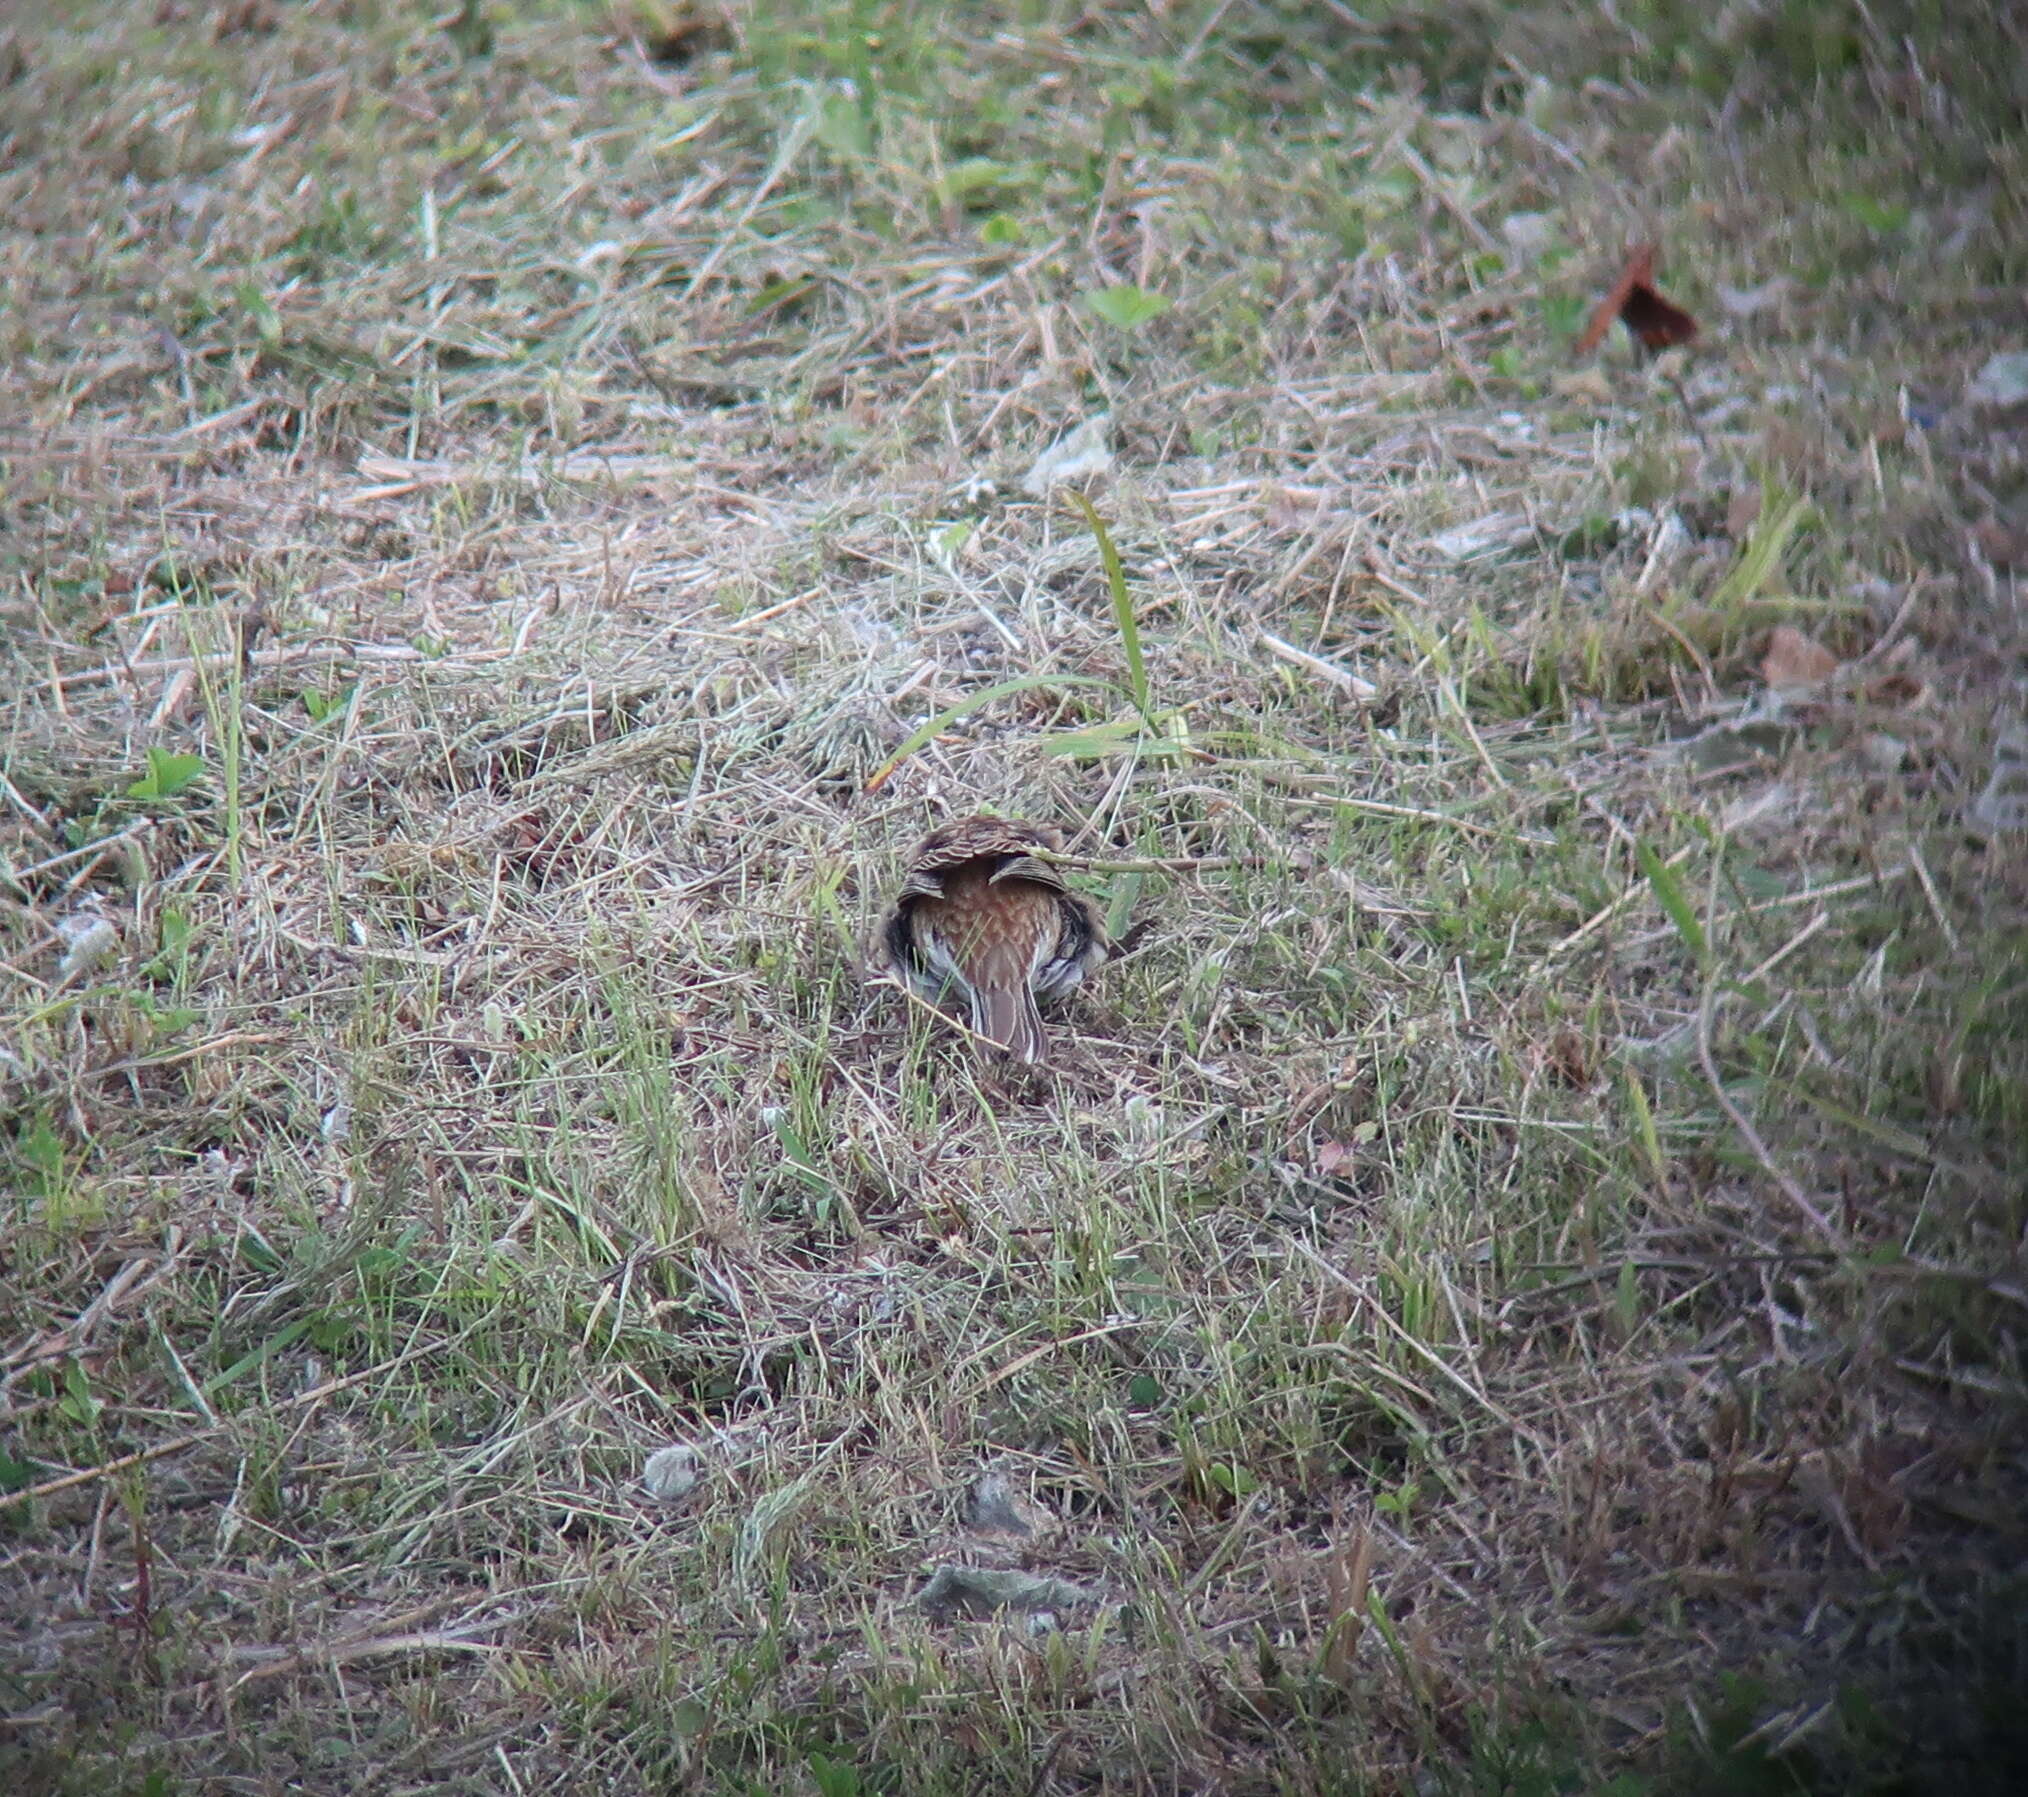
{"x": 1585, "y": 387}
{"x": 1652, "y": 322}
{"x": 1491, "y": 535}
{"x": 1745, "y": 302}
{"x": 1794, "y": 659}
{"x": 1897, "y": 690}
{"x": 959, "y": 1591}
{"x": 1331, "y": 1156}
{"x": 1085, "y": 450}
{"x": 671, "y": 1473}
{"x": 2001, "y": 544}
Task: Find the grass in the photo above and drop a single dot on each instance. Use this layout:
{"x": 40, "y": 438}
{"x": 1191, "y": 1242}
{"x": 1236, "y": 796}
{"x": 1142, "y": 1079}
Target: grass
{"x": 509, "y": 521}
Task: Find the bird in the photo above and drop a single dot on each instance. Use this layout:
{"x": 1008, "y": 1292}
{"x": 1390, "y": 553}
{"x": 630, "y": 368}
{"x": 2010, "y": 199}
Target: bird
{"x": 982, "y": 918}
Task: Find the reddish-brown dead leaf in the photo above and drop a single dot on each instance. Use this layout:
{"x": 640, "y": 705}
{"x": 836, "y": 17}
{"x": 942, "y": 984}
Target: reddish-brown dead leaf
{"x": 1652, "y": 322}
{"x": 675, "y": 36}
{"x": 1568, "y": 1058}
{"x": 1331, "y": 1156}
{"x": 1897, "y": 689}
{"x": 2001, "y": 544}
{"x": 1794, "y": 659}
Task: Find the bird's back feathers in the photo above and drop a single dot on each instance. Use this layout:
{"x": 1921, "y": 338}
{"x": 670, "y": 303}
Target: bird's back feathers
{"x": 980, "y": 916}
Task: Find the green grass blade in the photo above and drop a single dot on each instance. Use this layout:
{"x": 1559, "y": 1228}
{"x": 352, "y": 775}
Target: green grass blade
{"x": 1761, "y": 560}
{"x": 265, "y": 1352}
{"x": 1026, "y": 683}
{"x": 1123, "y": 605}
{"x": 1674, "y": 901}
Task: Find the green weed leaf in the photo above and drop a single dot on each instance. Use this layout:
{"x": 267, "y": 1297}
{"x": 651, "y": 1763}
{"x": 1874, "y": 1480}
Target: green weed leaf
{"x": 77, "y": 1401}
{"x": 1125, "y": 307}
{"x": 1675, "y": 902}
{"x": 1128, "y": 735}
{"x": 168, "y": 774}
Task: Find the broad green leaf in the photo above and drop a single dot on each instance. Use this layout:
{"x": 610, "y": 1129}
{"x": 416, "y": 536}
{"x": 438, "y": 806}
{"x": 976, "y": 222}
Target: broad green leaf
{"x": 260, "y": 310}
{"x": 1644, "y": 1122}
{"x": 1120, "y": 909}
{"x": 978, "y": 175}
{"x": 779, "y": 293}
{"x": 1126, "y": 307}
{"x": 167, "y": 775}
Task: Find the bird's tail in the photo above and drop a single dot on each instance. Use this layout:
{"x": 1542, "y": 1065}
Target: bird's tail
{"x": 1010, "y": 1018}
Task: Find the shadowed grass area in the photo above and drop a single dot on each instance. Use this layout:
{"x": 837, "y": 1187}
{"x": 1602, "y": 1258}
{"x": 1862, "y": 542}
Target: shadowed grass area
{"x": 514, "y": 520}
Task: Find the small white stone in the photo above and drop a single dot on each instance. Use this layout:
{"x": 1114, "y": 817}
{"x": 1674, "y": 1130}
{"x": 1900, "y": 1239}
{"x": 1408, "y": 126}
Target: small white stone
{"x": 672, "y": 1473}
{"x": 1085, "y": 450}
{"x": 89, "y": 940}
{"x": 1483, "y": 536}
{"x": 1745, "y": 302}
{"x": 1528, "y": 234}
{"x": 2003, "y": 382}
{"x": 1884, "y": 754}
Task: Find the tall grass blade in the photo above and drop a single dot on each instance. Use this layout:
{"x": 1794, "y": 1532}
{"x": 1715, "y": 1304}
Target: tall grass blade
{"x": 1675, "y": 902}
{"x": 1123, "y": 605}
{"x": 1025, "y": 683}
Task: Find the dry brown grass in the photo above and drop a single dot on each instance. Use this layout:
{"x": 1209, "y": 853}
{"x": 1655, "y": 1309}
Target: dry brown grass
{"x": 1517, "y": 1280}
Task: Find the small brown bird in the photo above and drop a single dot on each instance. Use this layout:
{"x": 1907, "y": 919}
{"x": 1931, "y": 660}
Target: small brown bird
{"x": 981, "y": 918}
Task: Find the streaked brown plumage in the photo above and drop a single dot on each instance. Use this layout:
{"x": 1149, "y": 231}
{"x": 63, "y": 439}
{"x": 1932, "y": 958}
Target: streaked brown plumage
{"x": 982, "y": 919}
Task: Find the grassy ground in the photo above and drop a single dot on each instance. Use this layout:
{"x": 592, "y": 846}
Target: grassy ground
{"x": 1515, "y": 1283}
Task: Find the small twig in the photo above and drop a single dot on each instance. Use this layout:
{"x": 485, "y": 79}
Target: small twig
{"x": 1380, "y": 808}
{"x": 1022, "y": 1361}
{"x": 1787, "y": 948}
{"x": 15, "y": 876}
{"x": 1450, "y": 697}
{"x": 89, "y": 1475}
{"x": 1675, "y": 386}
{"x": 1889, "y": 636}
{"x": 772, "y": 611}
{"x": 1178, "y": 864}
{"x": 237, "y": 1039}
{"x": 340, "y": 1653}
{"x": 798, "y": 135}
{"x": 1706, "y": 1009}
{"x": 1042, "y": 1772}
{"x": 1420, "y": 1348}
{"x": 1343, "y": 678}
{"x": 1378, "y": 572}
{"x": 20, "y": 802}
{"x": 1929, "y": 892}
{"x": 1444, "y": 197}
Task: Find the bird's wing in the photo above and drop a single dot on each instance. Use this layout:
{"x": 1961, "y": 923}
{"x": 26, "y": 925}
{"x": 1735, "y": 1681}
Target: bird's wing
{"x": 1027, "y": 867}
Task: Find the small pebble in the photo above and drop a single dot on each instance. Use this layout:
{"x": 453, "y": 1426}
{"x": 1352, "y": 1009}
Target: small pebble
{"x": 672, "y": 1473}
